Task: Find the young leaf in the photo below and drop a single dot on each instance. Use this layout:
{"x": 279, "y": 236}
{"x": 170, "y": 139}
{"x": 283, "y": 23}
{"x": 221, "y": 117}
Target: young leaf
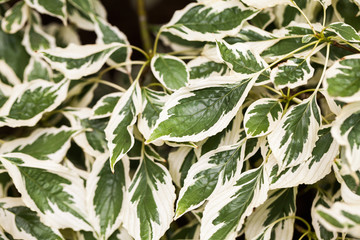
{"x": 56, "y": 140}
{"x": 320, "y": 230}
{"x": 31, "y": 100}
{"x": 314, "y": 168}
{"x": 293, "y": 138}
{"x": 152, "y": 104}
{"x": 54, "y": 192}
{"x": 262, "y": 116}
{"x": 213, "y": 170}
{"x": 345, "y": 31}
{"x": 346, "y": 130}
{"x": 209, "y": 21}
{"x": 151, "y": 200}
{"x": 107, "y": 34}
{"x": 170, "y": 71}
{"x": 225, "y": 213}
{"x": 23, "y": 223}
{"x": 242, "y": 60}
{"x": 211, "y": 107}
{"x": 340, "y": 217}
{"x": 262, "y": 224}
{"x": 292, "y": 73}
{"x": 119, "y": 131}
{"x": 78, "y": 61}
{"x": 56, "y": 8}
{"x": 15, "y": 18}
{"x": 105, "y": 106}
{"x": 105, "y": 193}
{"x": 341, "y": 79}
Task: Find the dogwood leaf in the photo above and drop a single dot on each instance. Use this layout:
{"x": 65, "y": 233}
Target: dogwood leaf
{"x": 15, "y": 18}
{"x": 209, "y": 21}
{"x": 54, "y": 192}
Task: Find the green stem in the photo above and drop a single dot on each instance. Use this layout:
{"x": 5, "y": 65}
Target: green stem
{"x": 299, "y": 93}
{"x": 156, "y": 43}
{"x": 110, "y": 84}
{"x": 144, "y": 30}
{"x": 324, "y": 70}
{"x": 141, "y": 71}
{"x": 273, "y": 90}
{"x": 100, "y": 75}
{"x": 306, "y": 18}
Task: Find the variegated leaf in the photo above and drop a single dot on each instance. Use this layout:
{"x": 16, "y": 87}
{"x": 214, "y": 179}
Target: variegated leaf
{"x": 345, "y": 31}
{"x": 107, "y": 34}
{"x": 340, "y": 217}
{"x": 23, "y": 223}
{"x": 211, "y": 107}
{"x": 262, "y": 116}
{"x": 35, "y": 38}
{"x": 320, "y": 231}
{"x": 350, "y": 182}
{"x": 15, "y": 18}
{"x": 5, "y": 93}
{"x": 105, "y": 193}
{"x": 13, "y": 58}
{"x": 225, "y": 213}
{"x": 152, "y": 104}
{"x": 56, "y": 8}
{"x": 201, "y": 68}
{"x": 213, "y": 170}
{"x": 341, "y": 79}
{"x": 3, "y": 236}
{"x": 5, "y": 182}
{"x": 242, "y": 60}
{"x": 92, "y": 138}
{"x": 56, "y": 140}
{"x": 314, "y": 168}
{"x": 179, "y": 44}
{"x": 264, "y": 3}
{"x": 346, "y": 130}
{"x": 37, "y": 69}
{"x": 180, "y": 162}
{"x": 31, "y": 100}
{"x": 54, "y": 192}
{"x": 151, "y": 200}
{"x": 105, "y": 106}
{"x": 229, "y": 136}
{"x": 209, "y": 21}
{"x": 77, "y": 61}
{"x": 119, "y": 131}
{"x": 292, "y": 73}
{"x": 293, "y": 139}
{"x": 170, "y": 71}
{"x": 263, "y": 223}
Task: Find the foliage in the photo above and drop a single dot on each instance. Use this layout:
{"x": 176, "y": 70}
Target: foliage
{"x": 212, "y": 135}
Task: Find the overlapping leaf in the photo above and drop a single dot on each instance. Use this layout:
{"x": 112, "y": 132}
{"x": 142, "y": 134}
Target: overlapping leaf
{"x": 201, "y": 68}
{"x": 56, "y": 140}
{"x": 209, "y": 21}
{"x": 312, "y": 169}
{"x": 346, "y": 131}
{"x": 293, "y": 139}
{"x": 292, "y": 73}
{"x": 15, "y": 18}
{"x": 31, "y": 100}
{"x": 192, "y": 114}
{"x": 78, "y": 61}
{"x": 23, "y": 223}
{"x": 225, "y": 213}
{"x": 105, "y": 193}
{"x": 56, "y": 8}
{"x": 265, "y": 222}
{"x": 151, "y": 200}
{"x": 344, "y": 31}
{"x": 119, "y": 131}
{"x": 37, "y": 69}
{"x": 262, "y": 116}
{"x": 106, "y": 104}
{"x": 54, "y": 192}
{"x": 107, "y": 34}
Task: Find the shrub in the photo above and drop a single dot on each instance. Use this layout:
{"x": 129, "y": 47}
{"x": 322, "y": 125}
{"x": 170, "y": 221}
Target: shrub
{"x": 236, "y": 111}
